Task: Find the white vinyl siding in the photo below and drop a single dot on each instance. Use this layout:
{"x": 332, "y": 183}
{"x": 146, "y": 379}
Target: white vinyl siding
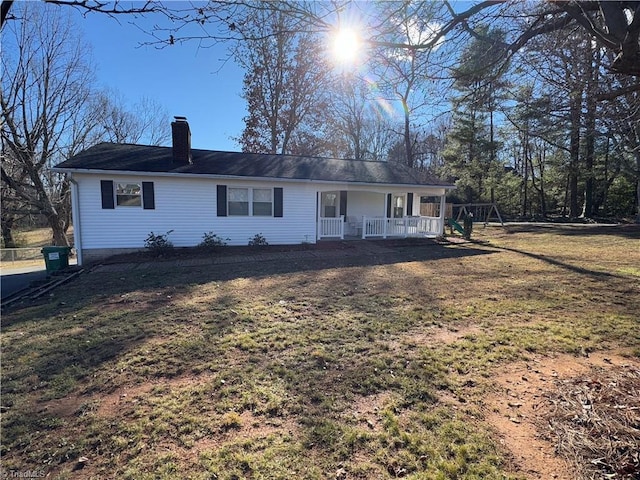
{"x": 366, "y": 203}
{"x": 188, "y": 207}
{"x": 297, "y": 224}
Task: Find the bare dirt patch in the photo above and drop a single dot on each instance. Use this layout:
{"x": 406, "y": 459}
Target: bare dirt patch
{"x": 250, "y": 426}
{"x": 522, "y": 400}
{"x": 63, "y": 407}
{"x": 445, "y": 334}
{"x": 112, "y": 404}
{"x": 367, "y": 409}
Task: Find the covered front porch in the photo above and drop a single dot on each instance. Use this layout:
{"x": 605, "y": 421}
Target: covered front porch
{"x": 367, "y": 214}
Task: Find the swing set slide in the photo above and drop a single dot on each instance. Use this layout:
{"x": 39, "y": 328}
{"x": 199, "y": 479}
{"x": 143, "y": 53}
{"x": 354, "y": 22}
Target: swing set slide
{"x": 456, "y": 226}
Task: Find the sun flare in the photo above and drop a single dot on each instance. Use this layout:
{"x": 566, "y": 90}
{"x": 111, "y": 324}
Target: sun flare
{"x": 346, "y": 45}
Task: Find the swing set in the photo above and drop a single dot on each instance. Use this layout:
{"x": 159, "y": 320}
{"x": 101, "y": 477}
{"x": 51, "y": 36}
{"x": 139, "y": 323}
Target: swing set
{"x": 481, "y": 212}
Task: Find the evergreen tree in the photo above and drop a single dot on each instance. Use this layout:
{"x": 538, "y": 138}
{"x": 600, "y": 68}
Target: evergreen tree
{"x": 471, "y": 156}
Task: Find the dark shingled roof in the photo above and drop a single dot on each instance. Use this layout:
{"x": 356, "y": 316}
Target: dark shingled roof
{"x": 143, "y": 158}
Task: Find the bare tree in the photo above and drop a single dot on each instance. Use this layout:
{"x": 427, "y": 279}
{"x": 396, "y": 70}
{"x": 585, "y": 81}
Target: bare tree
{"x": 50, "y": 112}
{"x": 110, "y": 8}
{"x": 146, "y": 122}
{"x": 45, "y": 82}
{"x": 405, "y": 68}
{"x": 355, "y": 124}
{"x": 283, "y": 85}
{"x": 14, "y": 208}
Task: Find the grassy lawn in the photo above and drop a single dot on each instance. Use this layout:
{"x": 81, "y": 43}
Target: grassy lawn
{"x": 358, "y": 367}
{"x": 37, "y": 237}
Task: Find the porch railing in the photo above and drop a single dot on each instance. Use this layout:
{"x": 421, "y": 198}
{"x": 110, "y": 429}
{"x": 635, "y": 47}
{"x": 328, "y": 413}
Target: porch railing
{"x": 382, "y": 227}
{"x": 331, "y": 227}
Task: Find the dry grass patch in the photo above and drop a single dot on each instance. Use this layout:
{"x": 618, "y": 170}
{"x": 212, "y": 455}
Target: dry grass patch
{"x": 595, "y": 420}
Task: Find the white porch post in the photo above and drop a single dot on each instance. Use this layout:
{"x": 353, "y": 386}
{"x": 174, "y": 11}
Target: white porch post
{"x": 387, "y": 198}
{"x": 75, "y": 218}
{"x": 443, "y": 205}
{"x": 318, "y": 214}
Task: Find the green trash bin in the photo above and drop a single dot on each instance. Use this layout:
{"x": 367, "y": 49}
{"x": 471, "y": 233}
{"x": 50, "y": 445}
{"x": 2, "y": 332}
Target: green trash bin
{"x": 56, "y": 258}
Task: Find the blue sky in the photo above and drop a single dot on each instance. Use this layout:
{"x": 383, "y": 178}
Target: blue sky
{"x": 185, "y": 79}
{"x": 200, "y": 83}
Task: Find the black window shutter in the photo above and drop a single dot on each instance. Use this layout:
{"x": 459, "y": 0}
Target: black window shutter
{"x": 388, "y": 205}
{"x": 343, "y": 204}
{"x": 148, "y": 196}
{"x": 277, "y": 202}
{"x": 106, "y": 189}
{"x": 409, "y": 204}
{"x": 222, "y": 200}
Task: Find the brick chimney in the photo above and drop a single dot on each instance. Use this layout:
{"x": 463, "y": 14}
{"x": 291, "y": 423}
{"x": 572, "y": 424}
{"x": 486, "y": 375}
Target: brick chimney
{"x": 181, "y": 141}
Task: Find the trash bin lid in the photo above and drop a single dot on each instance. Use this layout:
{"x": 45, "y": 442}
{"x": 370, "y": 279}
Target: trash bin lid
{"x": 55, "y": 248}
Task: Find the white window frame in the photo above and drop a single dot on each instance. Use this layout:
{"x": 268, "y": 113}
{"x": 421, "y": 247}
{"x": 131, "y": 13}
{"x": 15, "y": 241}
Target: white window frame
{"x": 139, "y": 202}
{"x": 229, "y": 202}
{"x": 253, "y": 202}
{"x": 250, "y": 201}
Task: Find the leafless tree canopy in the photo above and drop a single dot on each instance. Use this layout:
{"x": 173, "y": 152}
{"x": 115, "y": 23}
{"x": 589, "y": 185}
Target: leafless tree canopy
{"x": 613, "y": 25}
{"x": 52, "y": 110}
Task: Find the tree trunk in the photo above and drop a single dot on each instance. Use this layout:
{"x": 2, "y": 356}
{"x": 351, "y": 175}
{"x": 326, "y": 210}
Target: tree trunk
{"x": 574, "y": 152}
{"x": 7, "y": 232}
{"x": 59, "y": 237}
{"x": 408, "y": 144}
{"x": 540, "y": 188}
{"x": 590, "y": 138}
{"x": 637, "y": 155}
{"x": 525, "y": 179}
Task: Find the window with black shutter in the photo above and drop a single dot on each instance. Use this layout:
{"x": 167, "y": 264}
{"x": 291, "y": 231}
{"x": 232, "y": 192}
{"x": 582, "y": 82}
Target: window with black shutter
{"x": 278, "y": 205}
{"x": 221, "y": 200}
{"x": 106, "y": 190}
{"x": 148, "y": 196}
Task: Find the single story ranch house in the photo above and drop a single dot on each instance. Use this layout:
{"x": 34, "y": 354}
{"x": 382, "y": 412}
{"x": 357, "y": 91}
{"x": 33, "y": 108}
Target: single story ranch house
{"x": 123, "y": 192}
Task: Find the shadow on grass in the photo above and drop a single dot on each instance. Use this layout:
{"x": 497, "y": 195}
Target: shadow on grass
{"x": 71, "y": 354}
{"x": 110, "y": 324}
{"x": 387, "y": 255}
{"x": 630, "y": 231}
{"x": 557, "y": 263}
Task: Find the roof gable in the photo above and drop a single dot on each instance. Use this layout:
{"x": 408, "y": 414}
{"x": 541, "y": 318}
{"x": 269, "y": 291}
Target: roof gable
{"x": 149, "y": 159}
